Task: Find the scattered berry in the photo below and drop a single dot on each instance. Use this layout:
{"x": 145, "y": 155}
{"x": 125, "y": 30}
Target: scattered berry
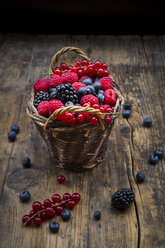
{"x": 54, "y": 226}
{"x": 106, "y": 83}
{"x": 47, "y": 203}
{"x": 15, "y": 128}
{"x": 71, "y": 204}
{"x": 60, "y": 179}
{"x": 126, "y": 113}
{"x": 110, "y": 97}
{"x": 37, "y": 221}
{"x": 43, "y": 108}
{"x": 26, "y": 162}
{"x": 69, "y": 77}
{"x": 65, "y": 215}
{"x": 97, "y": 215}
{"x": 42, "y": 84}
{"x": 25, "y": 218}
{"x": 59, "y": 210}
{"x": 24, "y": 196}
{"x": 49, "y": 212}
{"x": 140, "y": 177}
{"x": 36, "y": 206}
{"x": 158, "y": 153}
{"x": 147, "y": 122}
{"x": 76, "y": 197}
{"x": 122, "y": 198}
{"x": 66, "y": 196}
{"x": 12, "y": 135}
{"x": 56, "y": 198}
{"x": 153, "y": 159}
{"x": 127, "y": 105}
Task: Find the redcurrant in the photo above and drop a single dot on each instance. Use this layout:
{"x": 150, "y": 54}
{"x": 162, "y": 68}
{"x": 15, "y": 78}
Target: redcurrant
{"x": 61, "y": 179}
{"x": 71, "y": 204}
{"x": 37, "y": 206}
{"x": 63, "y": 67}
{"x": 25, "y": 218}
{"x": 80, "y": 118}
{"x": 47, "y": 203}
{"x": 84, "y": 62}
{"x": 94, "y": 120}
{"x": 107, "y": 120}
{"x": 37, "y": 221}
{"x": 76, "y": 197}
{"x": 56, "y": 198}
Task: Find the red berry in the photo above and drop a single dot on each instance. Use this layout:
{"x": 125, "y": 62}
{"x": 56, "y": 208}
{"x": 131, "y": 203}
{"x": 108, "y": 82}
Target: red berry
{"x": 80, "y": 72}
{"x": 88, "y": 118}
{"x": 85, "y": 70}
{"x": 96, "y": 106}
{"x": 104, "y": 66}
{"x": 66, "y": 196}
{"x": 69, "y": 77}
{"x": 32, "y": 213}
{"x": 77, "y": 85}
{"x": 61, "y": 179}
{"x": 71, "y": 204}
{"x": 110, "y": 97}
{"x": 100, "y": 72}
{"x": 87, "y": 104}
{"x": 89, "y": 99}
{"x": 78, "y": 64}
{"x": 80, "y": 118}
{"x": 69, "y": 117}
{"x": 25, "y": 218}
{"x": 84, "y": 62}
{"x": 63, "y": 67}
{"x": 94, "y": 120}
{"x": 74, "y": 69}
{"x": 76, "y": 197}
{"x": 37, "y": 221}
{"x": 43, "y": 216}
{"x": 37, "y": 206}
{"x": 54, "y": 105}
{"x": 43, "y": 108}
{"x": 49, "y": 212}
{"x": 97, "y": 64}
{"x": 42, "y": 84}
{"x": 106, "y": 73}
{"x": 59, "y": 210}
{"x": 47, "y": 203}
{"x": 91, "y": 69}
{"x": 56, "y": 198}
{"x": 106, "y": 83}
{"x": 107, "y": 120}
{"x": 55, "y": 80}
{"x": 73, "y": 122}
{"x": 58, "y": 72}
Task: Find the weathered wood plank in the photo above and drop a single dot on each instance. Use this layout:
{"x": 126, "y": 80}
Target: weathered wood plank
{"x": 128, "y": 151}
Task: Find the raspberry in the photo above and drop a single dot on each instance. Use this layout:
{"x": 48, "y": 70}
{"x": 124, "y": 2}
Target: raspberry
{"x": 53, "y": 105}
{"x": 42, "y": 84}
{"x": 106, "y": 83}
{"x": 69, "y": 77}
{"x": 43, "y": 108}
{"x": 77, "y": 85}
{"x": 110, "y": 97}
{"x": 89, "y": 98}
{"x": 55, "y": 80}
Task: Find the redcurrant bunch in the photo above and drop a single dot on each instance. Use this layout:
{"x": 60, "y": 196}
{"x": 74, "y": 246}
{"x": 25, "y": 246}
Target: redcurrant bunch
{"x": 50, "y": 208}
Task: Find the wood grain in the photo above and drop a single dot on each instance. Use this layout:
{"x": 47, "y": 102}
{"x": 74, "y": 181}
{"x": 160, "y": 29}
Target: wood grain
{"x": 137, "y": 64}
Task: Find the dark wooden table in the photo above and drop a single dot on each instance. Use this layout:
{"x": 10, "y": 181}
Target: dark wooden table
{"x": 138, "y": 65}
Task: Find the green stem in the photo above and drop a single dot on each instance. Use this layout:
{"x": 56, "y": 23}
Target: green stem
{"x": 46, "y": 73}
{"x": 113, "y": 113}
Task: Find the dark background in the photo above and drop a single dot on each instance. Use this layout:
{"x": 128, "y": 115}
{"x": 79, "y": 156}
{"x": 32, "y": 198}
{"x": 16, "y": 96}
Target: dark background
{"x": 83, "y": 17}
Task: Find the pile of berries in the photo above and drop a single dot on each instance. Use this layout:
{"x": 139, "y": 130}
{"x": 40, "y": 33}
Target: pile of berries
{"x": 50, "y": 208}
{"x": 84, "y": 84}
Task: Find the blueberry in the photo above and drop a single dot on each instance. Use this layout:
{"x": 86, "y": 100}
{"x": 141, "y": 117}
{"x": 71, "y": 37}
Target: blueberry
{"x": 97, "y": 86}
{"x": 54, "y": 226}
{"x": 101, "y": 92}
{"x": 140, "y": 177}
{"x": 65, "y": 215}
{"x": 147, "y": 122}
{"x": 87, "y": 81}
{"x": 158, "y": 153}
{"x": 96, "y": 80}
{"x": 69, "y": 103}
{"x": 100, "y": 98}
{"x": 153, "y": 159}
{"x": 88, "y": 91}
{"x": 126, "y": 113}
{"x": 91, "y": 88}
{"x": 53, "y": 94}
{"x": 26, "y": 162}
{"x": 24, "y": 196}
{"x": 15, "y": 128}
{"x": 127, "y": 105}
{"x": 12, "y": 135}
{"x": 81, "y": 91}
{"x": 97, "y": 215}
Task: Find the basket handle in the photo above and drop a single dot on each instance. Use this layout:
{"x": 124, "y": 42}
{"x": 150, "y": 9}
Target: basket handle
{"x": 56, "y": 57}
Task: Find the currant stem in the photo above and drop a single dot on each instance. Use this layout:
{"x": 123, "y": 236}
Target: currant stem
{"x": 113, "y": 113}
{"x": 53, "y": 205}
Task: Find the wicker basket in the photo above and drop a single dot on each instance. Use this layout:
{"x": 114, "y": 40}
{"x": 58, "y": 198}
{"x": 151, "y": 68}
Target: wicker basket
{"x": 76, "y": 147}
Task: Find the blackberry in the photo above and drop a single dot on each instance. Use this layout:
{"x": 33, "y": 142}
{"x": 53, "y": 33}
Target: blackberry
{"x": 65, "y": 93}
{"x": 122, "y": 198}
{"x": 40, "y": 97}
